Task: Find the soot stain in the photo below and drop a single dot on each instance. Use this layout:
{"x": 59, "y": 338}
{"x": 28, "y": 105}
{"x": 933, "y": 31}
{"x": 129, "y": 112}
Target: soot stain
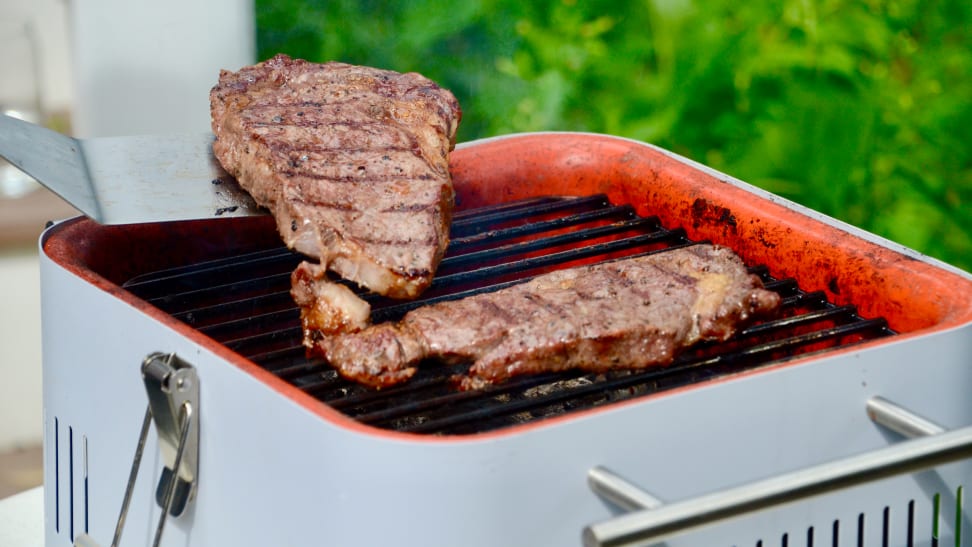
{"x": 833, "y": 286}
{"x": 704, "y": 212}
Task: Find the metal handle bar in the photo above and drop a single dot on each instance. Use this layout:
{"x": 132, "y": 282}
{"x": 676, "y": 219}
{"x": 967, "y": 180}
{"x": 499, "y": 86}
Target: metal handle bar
{"x": 646, "y": 526}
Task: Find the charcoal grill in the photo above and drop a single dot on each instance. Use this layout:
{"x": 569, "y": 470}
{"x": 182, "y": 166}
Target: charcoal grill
{"x": 243, "y": 302}
{"x": 282, "y": 442}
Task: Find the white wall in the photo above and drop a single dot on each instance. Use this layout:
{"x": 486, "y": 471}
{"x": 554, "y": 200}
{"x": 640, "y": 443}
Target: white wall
{"x": 47, "y": 21}
{"x": 146, "y": 66}
{"x": 118, "y": 67}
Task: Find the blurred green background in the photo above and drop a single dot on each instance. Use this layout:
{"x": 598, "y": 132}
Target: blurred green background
{"x": 859, "y": 109}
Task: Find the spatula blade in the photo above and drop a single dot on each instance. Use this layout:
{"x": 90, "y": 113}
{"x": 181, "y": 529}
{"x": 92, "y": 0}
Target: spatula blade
{"x": 53, "y": 159}
{"x": 128, "y": 180}
{"x": 162, "y": 178}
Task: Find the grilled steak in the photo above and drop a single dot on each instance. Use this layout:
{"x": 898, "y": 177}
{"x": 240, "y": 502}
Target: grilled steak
{"x": 352, "y": 161}
{"x": 631, "y": 313}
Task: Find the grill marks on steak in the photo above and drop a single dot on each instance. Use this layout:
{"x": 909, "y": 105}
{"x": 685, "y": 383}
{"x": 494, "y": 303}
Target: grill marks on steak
{"x": 628, "y": 314}
{"x": 353, "y": 163}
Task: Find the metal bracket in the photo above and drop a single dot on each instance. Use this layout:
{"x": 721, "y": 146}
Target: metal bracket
{"x": 172, "y": 387}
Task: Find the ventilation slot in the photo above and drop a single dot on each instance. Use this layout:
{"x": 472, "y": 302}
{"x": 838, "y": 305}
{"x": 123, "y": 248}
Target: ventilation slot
{"x": 84, "y": 478}
{"x": 71, "y": 480}
{"x": 943, "y": 510}
{"x": 57, "y": 477}
{"x": 911, "y": 524}
{"x": 885, "y": 526}
{"x": 959, "y": 516}
{"x": 70, "y": 474}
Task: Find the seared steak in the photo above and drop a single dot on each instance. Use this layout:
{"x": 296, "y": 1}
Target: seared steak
{"x": 632, "y": 313}
{"x": 352, "y": 161}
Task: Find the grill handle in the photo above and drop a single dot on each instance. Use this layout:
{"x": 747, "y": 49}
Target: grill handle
{"x": 646, "y": 524}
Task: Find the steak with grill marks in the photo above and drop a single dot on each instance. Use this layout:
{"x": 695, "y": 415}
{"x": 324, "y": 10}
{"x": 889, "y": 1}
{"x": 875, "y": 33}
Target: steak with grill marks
{"x": 353, "y": 163}
{"x": 627, "y": 314}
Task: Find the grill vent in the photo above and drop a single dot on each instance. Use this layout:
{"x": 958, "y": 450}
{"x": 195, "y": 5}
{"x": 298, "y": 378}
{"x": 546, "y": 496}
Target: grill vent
{"x": 70, "y": 480}
{"x": 244, "y": 303}
{"x": 947, "y": 527}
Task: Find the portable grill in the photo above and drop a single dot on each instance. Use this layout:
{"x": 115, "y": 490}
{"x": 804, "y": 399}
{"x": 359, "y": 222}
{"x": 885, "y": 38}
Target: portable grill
{"x": 793, "y": 432}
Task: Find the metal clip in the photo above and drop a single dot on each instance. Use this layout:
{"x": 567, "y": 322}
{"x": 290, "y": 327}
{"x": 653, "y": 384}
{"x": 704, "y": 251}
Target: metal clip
{"x": 173, "y": 394}
{"x": 172, "y": 387}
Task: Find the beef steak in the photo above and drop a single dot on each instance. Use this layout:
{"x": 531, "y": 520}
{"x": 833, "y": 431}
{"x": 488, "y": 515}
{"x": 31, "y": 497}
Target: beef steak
{"x": 353, "y": 163}
{"x": 631, "y": 313}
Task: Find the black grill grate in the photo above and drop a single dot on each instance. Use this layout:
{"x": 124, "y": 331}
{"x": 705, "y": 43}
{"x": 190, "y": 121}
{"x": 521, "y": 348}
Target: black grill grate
{"x": 244, "y": 303}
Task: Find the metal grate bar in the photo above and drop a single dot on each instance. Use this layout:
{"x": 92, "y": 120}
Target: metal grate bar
{"x": 178, "y": 281}
{"x": 466, "y": 224}
{"x": 219, "y": 292}
{"x": 216, "y": 314}
{"x": 252, "y": 322}
{"x": 465, "y": 216}
{"x": 552, "y": 259}
{"x": 140, "y": 282}
{"x": 636, "y": 224}
{"x": 614, "y": 212}
{"x": 281, "y": 337}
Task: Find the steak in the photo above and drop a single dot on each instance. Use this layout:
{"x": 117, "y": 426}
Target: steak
{"x": 627, "y": 314}
{"x": 353, "y": 163}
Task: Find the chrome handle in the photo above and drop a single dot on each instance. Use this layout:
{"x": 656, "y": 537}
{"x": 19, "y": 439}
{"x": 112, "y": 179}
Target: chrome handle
{"x": 900, "y": 420}
{"x": 619, "y": 491}
{"x": 645, "y": 526}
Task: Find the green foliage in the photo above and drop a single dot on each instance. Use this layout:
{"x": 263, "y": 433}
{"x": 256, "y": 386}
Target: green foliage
{"x": 859, "y": 109}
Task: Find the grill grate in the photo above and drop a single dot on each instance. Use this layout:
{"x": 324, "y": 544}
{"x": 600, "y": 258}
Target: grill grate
{"x": 244, "y": 303}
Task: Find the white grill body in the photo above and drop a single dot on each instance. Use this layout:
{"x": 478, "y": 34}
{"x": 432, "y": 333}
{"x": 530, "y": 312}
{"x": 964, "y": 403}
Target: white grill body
{"x": 271, "y": 472}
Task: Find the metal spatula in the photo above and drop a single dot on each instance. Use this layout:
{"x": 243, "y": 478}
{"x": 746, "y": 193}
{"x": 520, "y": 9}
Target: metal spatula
{"x": 127, "y": 180}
